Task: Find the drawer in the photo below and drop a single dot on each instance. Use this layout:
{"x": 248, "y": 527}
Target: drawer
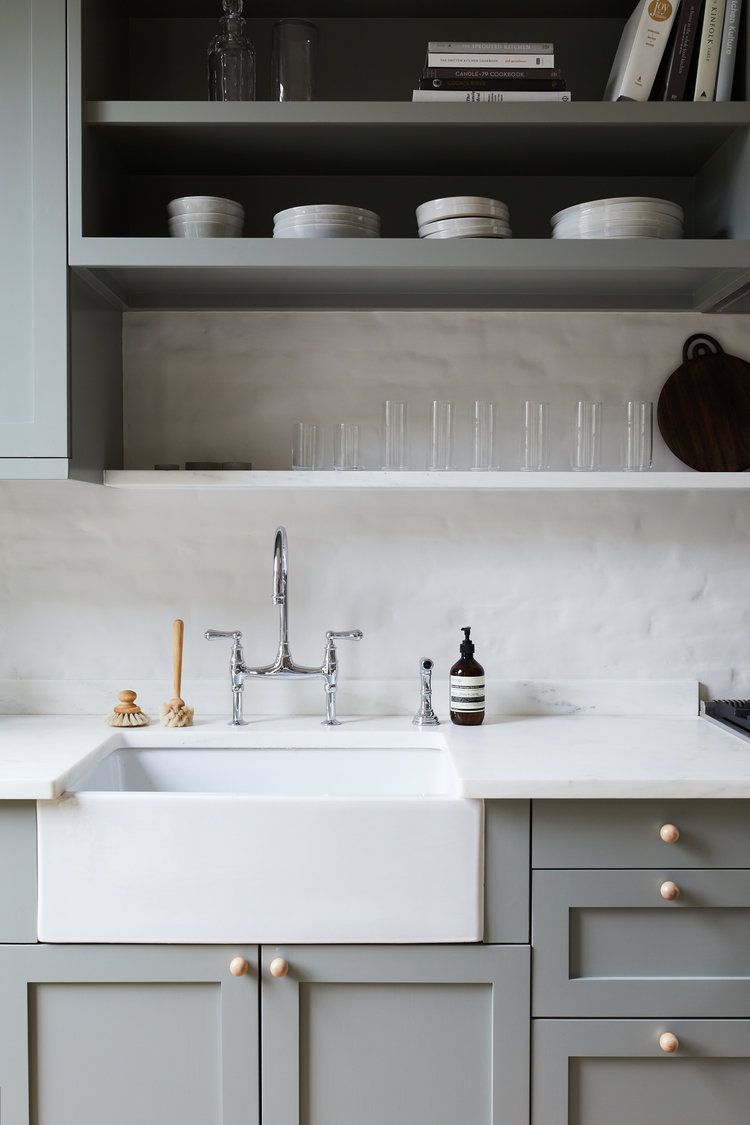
{"x": 607, "y": 944}
{"x": 583, "y": 834}
{"x": 613, "y": 1072}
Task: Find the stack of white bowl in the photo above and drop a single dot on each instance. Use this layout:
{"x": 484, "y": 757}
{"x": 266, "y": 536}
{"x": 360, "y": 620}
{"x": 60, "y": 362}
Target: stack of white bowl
{"x": 464, "y": 216}
{"x": 627, "y": 216}
{"x": 326, "y": 220}
{"x": 205, "y": 216}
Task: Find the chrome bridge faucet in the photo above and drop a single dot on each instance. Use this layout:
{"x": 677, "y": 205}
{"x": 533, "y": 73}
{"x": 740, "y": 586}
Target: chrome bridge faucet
{"x": 283, "y": 666}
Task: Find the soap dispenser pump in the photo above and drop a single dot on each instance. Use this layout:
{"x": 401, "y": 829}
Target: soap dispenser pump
{"x": 467, "y": 686}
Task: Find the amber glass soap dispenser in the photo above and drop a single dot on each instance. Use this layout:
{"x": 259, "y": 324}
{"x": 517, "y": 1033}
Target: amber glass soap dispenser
{"x": 467, "y": 686}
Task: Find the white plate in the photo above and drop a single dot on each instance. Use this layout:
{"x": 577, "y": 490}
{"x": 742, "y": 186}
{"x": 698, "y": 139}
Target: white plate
{"x": 327, "y": 211}
{"x": 197, "y": 204}
{"x": 325, "y": 230}
{"x": 618, "y": 230}
{"x": 364, "y": 224}
{"x": 466, "y": 228}
{"x": 461, "y": 206}
{"x": 656, "y": 206}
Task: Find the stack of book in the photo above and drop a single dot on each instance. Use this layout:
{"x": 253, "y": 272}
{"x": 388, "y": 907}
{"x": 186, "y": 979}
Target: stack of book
{"x": 491, "y": 72}
{"x": 677, "y": 50}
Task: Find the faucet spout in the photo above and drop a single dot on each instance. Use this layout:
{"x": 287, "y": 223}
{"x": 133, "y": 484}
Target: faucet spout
{"x": 280, "y": 587}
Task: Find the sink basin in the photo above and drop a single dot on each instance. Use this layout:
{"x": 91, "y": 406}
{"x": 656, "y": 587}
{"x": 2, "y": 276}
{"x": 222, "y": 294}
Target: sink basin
{"x": 301, "y": 843}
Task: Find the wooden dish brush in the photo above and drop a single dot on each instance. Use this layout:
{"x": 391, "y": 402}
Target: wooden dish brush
{"x": 176, "y": 713}
{"x": 127, "y": 713}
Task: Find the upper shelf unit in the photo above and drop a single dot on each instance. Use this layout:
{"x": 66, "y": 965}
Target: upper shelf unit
{"x": 141, "y": 132}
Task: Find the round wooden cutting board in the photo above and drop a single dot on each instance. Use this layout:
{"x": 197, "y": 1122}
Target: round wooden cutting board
{"x": 704, "y": 408}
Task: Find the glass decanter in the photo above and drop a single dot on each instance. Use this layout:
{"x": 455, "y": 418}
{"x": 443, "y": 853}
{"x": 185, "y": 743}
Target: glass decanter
{"x": 231, "y": 59}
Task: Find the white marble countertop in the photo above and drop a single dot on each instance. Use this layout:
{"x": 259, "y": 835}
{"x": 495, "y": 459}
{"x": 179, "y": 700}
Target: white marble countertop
{"x": 552, "y": 756}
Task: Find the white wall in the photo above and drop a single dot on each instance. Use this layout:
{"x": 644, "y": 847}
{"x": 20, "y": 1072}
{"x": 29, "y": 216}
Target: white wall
{"x": 555, "y": 586}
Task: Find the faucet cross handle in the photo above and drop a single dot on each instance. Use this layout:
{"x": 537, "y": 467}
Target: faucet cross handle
{"x": 236, "y": 669}
{"x": 331, "y": 670}
{"x": 425, "y": 716}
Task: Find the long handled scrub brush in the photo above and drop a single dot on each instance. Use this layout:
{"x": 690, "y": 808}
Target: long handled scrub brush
{"x": 176, "y": 713}
{"x": 127, "y": 713}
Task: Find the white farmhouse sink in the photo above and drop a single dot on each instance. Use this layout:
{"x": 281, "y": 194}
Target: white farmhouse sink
{"x": 264, "y": 844}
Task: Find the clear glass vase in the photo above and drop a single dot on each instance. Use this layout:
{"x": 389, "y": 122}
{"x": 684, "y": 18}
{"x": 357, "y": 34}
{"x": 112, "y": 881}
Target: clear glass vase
{"x": 231, "y": 59}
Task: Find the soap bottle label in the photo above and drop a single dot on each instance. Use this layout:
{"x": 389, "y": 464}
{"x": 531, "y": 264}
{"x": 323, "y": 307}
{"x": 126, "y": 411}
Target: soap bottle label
{"x": 467, "y": 693}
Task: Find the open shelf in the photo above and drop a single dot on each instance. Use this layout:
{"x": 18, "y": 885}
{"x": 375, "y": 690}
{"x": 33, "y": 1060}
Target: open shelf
{"x": 453, "y": 481}
{"x": 265, "y": 273}
{"x": 591, "y": 138}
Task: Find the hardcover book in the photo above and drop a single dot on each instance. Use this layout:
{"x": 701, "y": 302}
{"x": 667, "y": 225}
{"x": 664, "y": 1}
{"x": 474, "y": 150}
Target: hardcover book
{"x": 502, "y": 59}
{"x": 532, "y": 83}
{"x": 521, "y": 95}
{"x": 728, "y": 57}
{"x": 474, "y": 47}
{"x": 709, "y": 51}
{"x": 641, "y": 49}
{"x": 684, "y": 41}
{"x": 445, "y": 72}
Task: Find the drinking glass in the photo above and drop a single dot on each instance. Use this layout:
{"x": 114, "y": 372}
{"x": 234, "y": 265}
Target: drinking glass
{"x": 535, "y": 436}
{"x": 307, "y": 445}
{"x": 294, "y": 49}
{"x": 484, "y": 436}
{"x": 587, "y": 437}
{"x": 443, "y": 435}
{"x": 394, "y": 435}
{"x": 346, "y": 446}
{"x": 639, "y": 437}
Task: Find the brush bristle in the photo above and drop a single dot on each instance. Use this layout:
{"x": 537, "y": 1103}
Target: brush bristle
{"x": 139, "y": 719}
{"x": 170, "y": 716}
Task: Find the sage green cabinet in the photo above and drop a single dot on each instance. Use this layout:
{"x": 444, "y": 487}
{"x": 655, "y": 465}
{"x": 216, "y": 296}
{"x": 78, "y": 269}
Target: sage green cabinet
{"x": 613, "y": 1072}
{"x": 395, "y": 1035}
{"x": 128, "y": 1035}
{"x": 33, "y": 240}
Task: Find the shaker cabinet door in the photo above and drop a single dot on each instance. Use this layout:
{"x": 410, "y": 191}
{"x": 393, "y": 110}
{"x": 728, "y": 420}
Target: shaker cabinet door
{"x": 395, "y": 1035}
{"x": 128, "y": 1035}
{"x": 33, "y": 239}
{"x": 614, "y": 1072}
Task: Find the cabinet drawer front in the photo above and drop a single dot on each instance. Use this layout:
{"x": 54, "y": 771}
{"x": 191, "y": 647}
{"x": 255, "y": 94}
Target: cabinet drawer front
{"x": 587, "y": 1072}
{"x": 607, "y": 943}
{"x": 604, "y": 834}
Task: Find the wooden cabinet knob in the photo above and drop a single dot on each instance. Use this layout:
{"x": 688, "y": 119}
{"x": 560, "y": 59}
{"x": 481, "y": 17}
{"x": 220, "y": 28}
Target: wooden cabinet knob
{"x": 669, "y": 1043}
{"x": 669, "y": 890}
{"x": 278, "y": 967}
{"x": 238, "y": 966}
{"x": 669, "y": 833}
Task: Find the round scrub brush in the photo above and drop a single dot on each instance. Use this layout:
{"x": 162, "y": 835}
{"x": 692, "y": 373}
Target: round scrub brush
{"x": 176, "y": 713}
{"x": 127, "y": 713}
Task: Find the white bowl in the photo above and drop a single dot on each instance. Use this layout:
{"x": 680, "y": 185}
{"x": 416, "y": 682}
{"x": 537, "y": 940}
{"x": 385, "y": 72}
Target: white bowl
{"x": 200, "y": 204}
{"x": 328, "y": 211}
{"x": 461, "y": 206}
{"x": 324, "y": 230}
{"x": 466, "y": 228}
{"x": 236, "y": 222}
{"x": 611, "y": 208}
{"x": 200, "y": 228}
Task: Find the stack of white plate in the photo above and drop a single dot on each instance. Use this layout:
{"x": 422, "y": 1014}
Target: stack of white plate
{"x": 627, "y": 216}
{"x": 464, "y": 216}
{"x": 205, "y": 216}
{"x": 326, "y": 220}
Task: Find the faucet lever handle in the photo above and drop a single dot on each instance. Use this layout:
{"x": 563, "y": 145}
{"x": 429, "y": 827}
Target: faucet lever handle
{"x": 350, "y": 635}
{"x": 220, "y": 634}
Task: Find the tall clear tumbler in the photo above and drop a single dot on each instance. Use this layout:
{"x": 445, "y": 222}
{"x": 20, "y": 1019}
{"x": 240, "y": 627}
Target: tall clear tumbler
{"x": 443, "y": 435}
{"x": 535, "y": 436}
{"x": 484, "y": 436}
{"x": 587, "y": 437}
{"x": 394, "y": 435}
{"x": 639, "y": 437}
{"x": 294, "y": 51}
{"x": 307, "y": 445}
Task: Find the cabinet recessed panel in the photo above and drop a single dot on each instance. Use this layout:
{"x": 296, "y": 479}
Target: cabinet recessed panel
{"x": 395, "y": 1054}
{"x": 711, "y": 942}
{"x": 629, "y": 1091}
{"x": 125, "y": 1054}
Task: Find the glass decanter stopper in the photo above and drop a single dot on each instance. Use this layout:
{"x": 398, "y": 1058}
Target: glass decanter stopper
{"x": 231, "y": 59}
